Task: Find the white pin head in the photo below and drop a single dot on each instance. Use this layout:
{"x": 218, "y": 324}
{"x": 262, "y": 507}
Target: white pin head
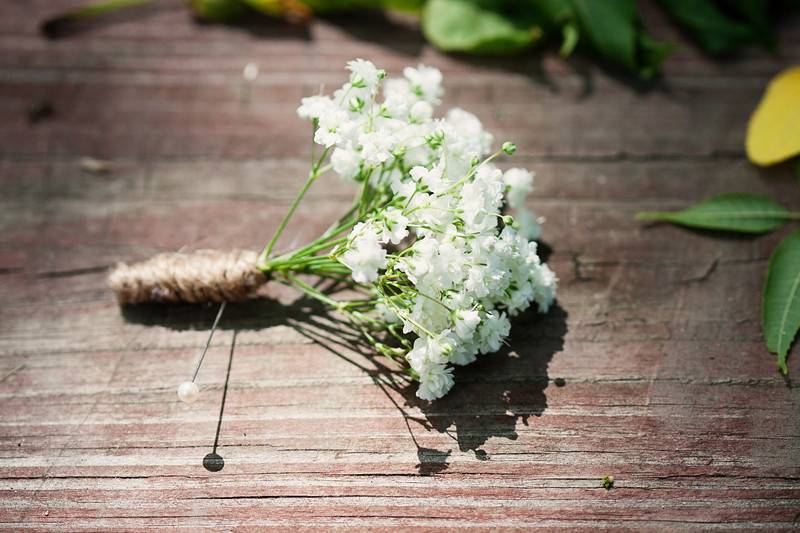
{"x": 188, "y": 392}
{"x": 250, "y": 72}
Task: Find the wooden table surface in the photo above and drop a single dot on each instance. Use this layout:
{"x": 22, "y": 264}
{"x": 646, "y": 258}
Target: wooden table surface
{"x": 652, "y": 368}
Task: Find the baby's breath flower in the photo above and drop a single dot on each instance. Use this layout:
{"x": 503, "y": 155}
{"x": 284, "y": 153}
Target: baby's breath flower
{"x": 345, "y": 162}
{"x": 466, "y": 320}
{"x": 364, "y": 74}
{"x": 493, "y": 330}
{"x": 466, "y": 135}
{"x": 331, "y": 122}
{"x": 435, "y": 380}
{"x": 377, "y": 146}
{"x": 395, "y": 225}
{"x": 364, "y": 255}
{"x": 312, "y": 107}
{"x": 444, "y": 265}
{"x": 426, "y": 82}
{"x": 529, "y": 226}
{"x": 520, "y": 183}
{"x": 420, "y": 112}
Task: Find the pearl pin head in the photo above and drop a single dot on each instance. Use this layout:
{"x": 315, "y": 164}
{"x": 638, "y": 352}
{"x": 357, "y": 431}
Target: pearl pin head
{"x": 188, "y": 392}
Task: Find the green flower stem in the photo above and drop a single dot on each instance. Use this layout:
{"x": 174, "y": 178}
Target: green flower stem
{"x": 431, "y": 298}
{"x": 402, "y": 314}
{"x": 301, "y": 257}
{"x": 327, "y": 269}
{"x": 329, "y": 239}
{"x": 289, "y": 257}
{"x": 365, "y": 198}
{"x": 362, "y": 202}
{"x": 327, "y": 272}
{"x": 311, "y": 291}
{"x": 469, "y": 174}
{"x": 345, "y": 307}
{"x": 315, "y": 259}
{"x": 357, "y": 304}
{"x": 334, "y": 229}
{"x": 323, "y": 244}
{"x": 315, "y": 172}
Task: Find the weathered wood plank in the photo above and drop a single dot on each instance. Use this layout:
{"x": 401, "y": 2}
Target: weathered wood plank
{"x": 653, "y": 369}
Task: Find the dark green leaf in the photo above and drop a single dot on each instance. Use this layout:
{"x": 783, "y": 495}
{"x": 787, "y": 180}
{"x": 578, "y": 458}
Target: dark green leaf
{"x": 218, "y": 10}
{"x": 781, "y": 302}
{"x": 797, "y": 170}
{"x": 652, "y": 53}
{"x": 557, "y": 18}
{"x": 610, "y": 26}
{"x": 570, "y": 35}
{"x": 739, "y": 212}
{"x": 335, "y": 6}
{"x": 106, "y": 6}
{"x": 614, "y": 31}
{"x": 711, "y": 28}
{"x": 755, "y": 13}
{"x": 479, "y": 27}
{"x": 556, "y": 12}
{"x": 63, "y": 24}
{"x": 404, "y": 5}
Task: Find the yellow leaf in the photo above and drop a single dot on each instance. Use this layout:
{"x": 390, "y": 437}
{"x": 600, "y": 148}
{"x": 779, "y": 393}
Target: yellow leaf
{"x": 773, "y": 134}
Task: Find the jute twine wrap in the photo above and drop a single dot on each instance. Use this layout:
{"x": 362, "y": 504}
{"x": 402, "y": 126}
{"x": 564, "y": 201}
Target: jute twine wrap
{"x": 196, "y": 277}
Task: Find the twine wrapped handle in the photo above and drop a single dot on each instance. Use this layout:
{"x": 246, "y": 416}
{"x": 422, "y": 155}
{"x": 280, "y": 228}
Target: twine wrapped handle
{"x": 196, "y": 277}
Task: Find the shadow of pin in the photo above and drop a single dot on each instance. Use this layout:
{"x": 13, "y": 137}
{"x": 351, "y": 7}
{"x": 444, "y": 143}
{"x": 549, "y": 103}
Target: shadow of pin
{"x": 213, "y": 462}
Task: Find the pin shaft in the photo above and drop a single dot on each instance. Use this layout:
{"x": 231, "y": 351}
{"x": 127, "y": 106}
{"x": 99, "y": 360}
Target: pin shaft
{"x": 208, "y": 341}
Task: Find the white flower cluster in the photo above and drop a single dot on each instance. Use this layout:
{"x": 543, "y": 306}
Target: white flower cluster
{"x": 434, "y": 240}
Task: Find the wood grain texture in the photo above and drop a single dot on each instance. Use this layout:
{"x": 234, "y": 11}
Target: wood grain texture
{"x": 652, "y": 368}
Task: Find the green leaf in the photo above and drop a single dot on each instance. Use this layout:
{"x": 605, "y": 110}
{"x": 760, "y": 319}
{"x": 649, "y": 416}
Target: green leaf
{"x": 781, "y": 303}
{"x": 610, "y": 26}
{"x": 714, "y": 31}
{"x": 478, "y": 27}
{"x": 797, "y": 171}
{"x": 756, "y": 14}
{"x": 404, "y": 5}
{"x": 556, "y": 11}
{"x": 570, "y": 36}
{"x": 339, "y": 6}
{"x": 652, "y": 53}
{"x": 219, "y": 10}
{"x": 272, "y": 8}
{"x": 107, "y": 6}
{"x": 554, "y": 15}
{"x": 614, "y": 30}
{"x": 61, "y": 25}
{"x": 739, "y": 212}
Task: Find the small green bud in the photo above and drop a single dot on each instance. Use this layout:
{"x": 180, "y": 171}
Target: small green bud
{"x": 357, "y": 81}
{"x": 509, "y": 147}
{"x": 356, "y": 104}
{"x": 435, "y": 139}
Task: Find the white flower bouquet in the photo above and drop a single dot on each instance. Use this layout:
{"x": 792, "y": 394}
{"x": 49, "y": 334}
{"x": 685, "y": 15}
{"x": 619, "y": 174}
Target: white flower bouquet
{"x": 437, "y": 241}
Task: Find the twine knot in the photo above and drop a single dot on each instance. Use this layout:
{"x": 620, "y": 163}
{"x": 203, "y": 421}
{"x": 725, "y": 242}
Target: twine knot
{"x": 196, "y": 277}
